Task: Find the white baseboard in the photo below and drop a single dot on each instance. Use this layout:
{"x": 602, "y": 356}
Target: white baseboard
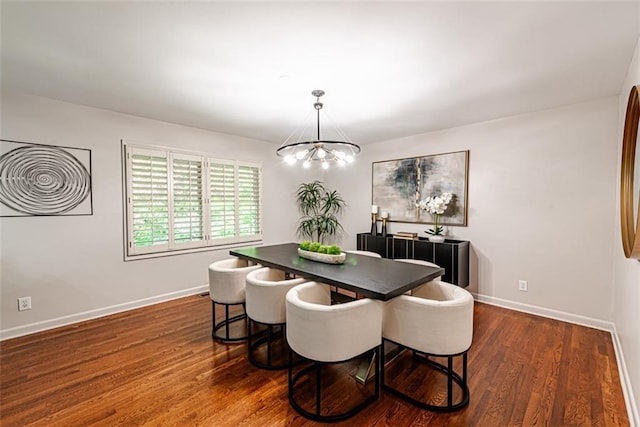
{"x": 627, "y": 391}
{"x": 31, "y": 328}
{"x": 547, "y": 312}
{"x": 625, "y": 381}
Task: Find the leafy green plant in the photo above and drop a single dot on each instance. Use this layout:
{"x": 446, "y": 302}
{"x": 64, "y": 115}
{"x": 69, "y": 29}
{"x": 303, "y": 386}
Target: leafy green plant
{"x": 334, "y": 250}
{"x": 322, "y": 249}
{"x": 305, "y": 245}
{"x": 320, "y": 209}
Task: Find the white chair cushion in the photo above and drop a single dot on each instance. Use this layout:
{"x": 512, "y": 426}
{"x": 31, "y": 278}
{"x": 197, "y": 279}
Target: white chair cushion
{"x": 365, "y": 253}
{"x": 323, "y": 332}
{"x": 419, "y": 262}
{"x": 227, "y": 280}
{"x": 266, "y": 293}
{"x": 436, "y": 319}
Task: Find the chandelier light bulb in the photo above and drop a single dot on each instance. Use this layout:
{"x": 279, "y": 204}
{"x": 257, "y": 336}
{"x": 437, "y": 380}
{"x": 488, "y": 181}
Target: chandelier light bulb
{"x": 349, "y": 158}
{"x": 321, "y": 153}
{"x": 306, "y": 164}
{"x": 289, "y": 159}
{"x": 302, "y": 154}
{"x": 341, "y": 162}
{"x": 325, "y": 165}
{"x": 339, "y": 154}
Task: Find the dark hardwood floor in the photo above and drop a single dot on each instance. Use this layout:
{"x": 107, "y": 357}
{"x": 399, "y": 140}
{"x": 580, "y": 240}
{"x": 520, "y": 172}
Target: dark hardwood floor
{"x": 159, "y": 366}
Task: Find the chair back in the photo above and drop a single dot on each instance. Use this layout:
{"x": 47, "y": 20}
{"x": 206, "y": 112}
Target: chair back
{"x": 227, "y": 279}
{"x": 266, "y": 291}
{"x": 323, "y": 332}
{"x": 436, "y": 319}
{"x": 419, "y": 262}
{"x": 365, "y": 253}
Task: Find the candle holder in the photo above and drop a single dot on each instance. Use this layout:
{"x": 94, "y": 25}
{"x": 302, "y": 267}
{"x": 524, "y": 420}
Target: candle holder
{"x": 384, "y": 227}
{"x": 374, "y": 226}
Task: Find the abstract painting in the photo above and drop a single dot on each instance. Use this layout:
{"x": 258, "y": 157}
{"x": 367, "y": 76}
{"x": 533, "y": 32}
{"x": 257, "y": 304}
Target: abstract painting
{"x": 399, "y": 184}
{"x": 44, "y": 180}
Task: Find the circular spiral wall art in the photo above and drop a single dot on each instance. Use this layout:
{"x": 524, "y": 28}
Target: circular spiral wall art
{"x": 43, "y": 180}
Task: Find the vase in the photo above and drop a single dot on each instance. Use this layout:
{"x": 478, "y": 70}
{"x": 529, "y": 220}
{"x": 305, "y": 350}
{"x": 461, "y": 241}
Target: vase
{"x": 436, "y": 238}
{"x": 325, "y": 258}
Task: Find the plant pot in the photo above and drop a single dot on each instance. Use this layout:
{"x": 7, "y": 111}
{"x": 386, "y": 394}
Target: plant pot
{"x": 436, "y": 238}
{"x": 325, "y": 258}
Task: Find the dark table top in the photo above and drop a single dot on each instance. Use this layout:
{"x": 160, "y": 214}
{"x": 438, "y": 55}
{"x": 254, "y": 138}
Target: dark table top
{"x": 372, "y": 277}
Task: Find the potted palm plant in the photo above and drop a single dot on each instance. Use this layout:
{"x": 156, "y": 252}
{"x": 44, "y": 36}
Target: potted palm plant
{"x": 320, "y": 209}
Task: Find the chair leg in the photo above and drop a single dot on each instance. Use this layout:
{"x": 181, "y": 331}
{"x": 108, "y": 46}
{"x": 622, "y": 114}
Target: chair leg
{"x": 316, "y": 367}
{"x": 269, "y": 333}
{"x": 450, "y": 381}
{"x": 269, "y": 338}
{"x": 318, "y": 391}
{"x": 290, "y": 370}
{"x": 452, "y": 377}
{"x": 464, "y": 367}
{"x": 226, "y": 324}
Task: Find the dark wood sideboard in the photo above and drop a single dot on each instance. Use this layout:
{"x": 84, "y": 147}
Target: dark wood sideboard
{"x": 452, "y": 255}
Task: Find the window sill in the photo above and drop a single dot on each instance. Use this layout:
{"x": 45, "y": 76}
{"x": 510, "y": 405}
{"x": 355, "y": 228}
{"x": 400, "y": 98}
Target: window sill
{"x": 190, "y": 251}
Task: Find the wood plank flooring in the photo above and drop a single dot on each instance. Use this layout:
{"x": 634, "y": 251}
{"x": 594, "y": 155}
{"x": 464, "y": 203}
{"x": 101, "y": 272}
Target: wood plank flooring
{"x": 159, "y": 366}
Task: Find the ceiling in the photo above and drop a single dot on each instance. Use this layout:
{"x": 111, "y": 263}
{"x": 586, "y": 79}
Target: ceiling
{"x": 388, "y": 69}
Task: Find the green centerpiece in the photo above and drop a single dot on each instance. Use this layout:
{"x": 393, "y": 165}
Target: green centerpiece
{"x": 315, "y": 251}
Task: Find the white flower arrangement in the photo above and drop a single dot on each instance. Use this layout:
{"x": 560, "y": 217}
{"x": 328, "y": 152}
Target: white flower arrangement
{"x": 436, "y": 206}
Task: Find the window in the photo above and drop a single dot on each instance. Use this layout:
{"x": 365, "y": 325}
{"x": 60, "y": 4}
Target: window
{"x": 185, "y": 201}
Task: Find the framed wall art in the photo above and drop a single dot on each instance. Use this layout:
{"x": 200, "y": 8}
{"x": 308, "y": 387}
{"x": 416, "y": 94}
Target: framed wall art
{"x": 44, "y": 180}
{"x": 399, "y": 184}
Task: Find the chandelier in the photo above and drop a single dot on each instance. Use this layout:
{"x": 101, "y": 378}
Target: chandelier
{"x": 318, "y": 150}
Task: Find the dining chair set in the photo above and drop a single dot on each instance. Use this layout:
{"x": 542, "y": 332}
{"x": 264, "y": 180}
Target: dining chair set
{"x": 434, "y": 319}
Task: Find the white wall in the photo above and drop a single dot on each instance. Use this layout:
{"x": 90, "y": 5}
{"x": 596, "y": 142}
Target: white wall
{"x": 626, "y": 282}
{"x": 74, "y": 264}
{"x": 541, "y": 199}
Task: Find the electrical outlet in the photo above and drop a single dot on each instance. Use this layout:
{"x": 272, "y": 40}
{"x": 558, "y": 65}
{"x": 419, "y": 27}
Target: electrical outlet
{"x": 24, "y": 303}
{"x": 523, "y": 286}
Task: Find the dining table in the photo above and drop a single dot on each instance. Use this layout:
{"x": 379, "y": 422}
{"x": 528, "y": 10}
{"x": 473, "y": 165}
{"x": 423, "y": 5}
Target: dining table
{"x": 371, "y": 277}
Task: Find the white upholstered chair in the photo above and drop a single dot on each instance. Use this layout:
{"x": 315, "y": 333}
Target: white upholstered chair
{"x": 227, "y": 282}
{"x": 327, "y": 334}
{"x": 437, "y": 320}
{"x": 266, "y": 293}
{"x": 365, "y": 253}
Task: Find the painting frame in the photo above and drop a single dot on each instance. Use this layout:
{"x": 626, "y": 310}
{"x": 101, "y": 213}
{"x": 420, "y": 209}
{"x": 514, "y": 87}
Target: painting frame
{"x": 44, "y": 180}
{"x": 398, "y": 184}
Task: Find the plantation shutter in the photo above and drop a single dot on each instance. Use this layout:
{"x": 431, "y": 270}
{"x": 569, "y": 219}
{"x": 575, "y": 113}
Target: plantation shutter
{"x": 222, "y": 200}
{"x": 249, "y": 221}
{"x": 148, "y": 201}
{"x": 179, "y": 200}
{"x": 187, "y": 182}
